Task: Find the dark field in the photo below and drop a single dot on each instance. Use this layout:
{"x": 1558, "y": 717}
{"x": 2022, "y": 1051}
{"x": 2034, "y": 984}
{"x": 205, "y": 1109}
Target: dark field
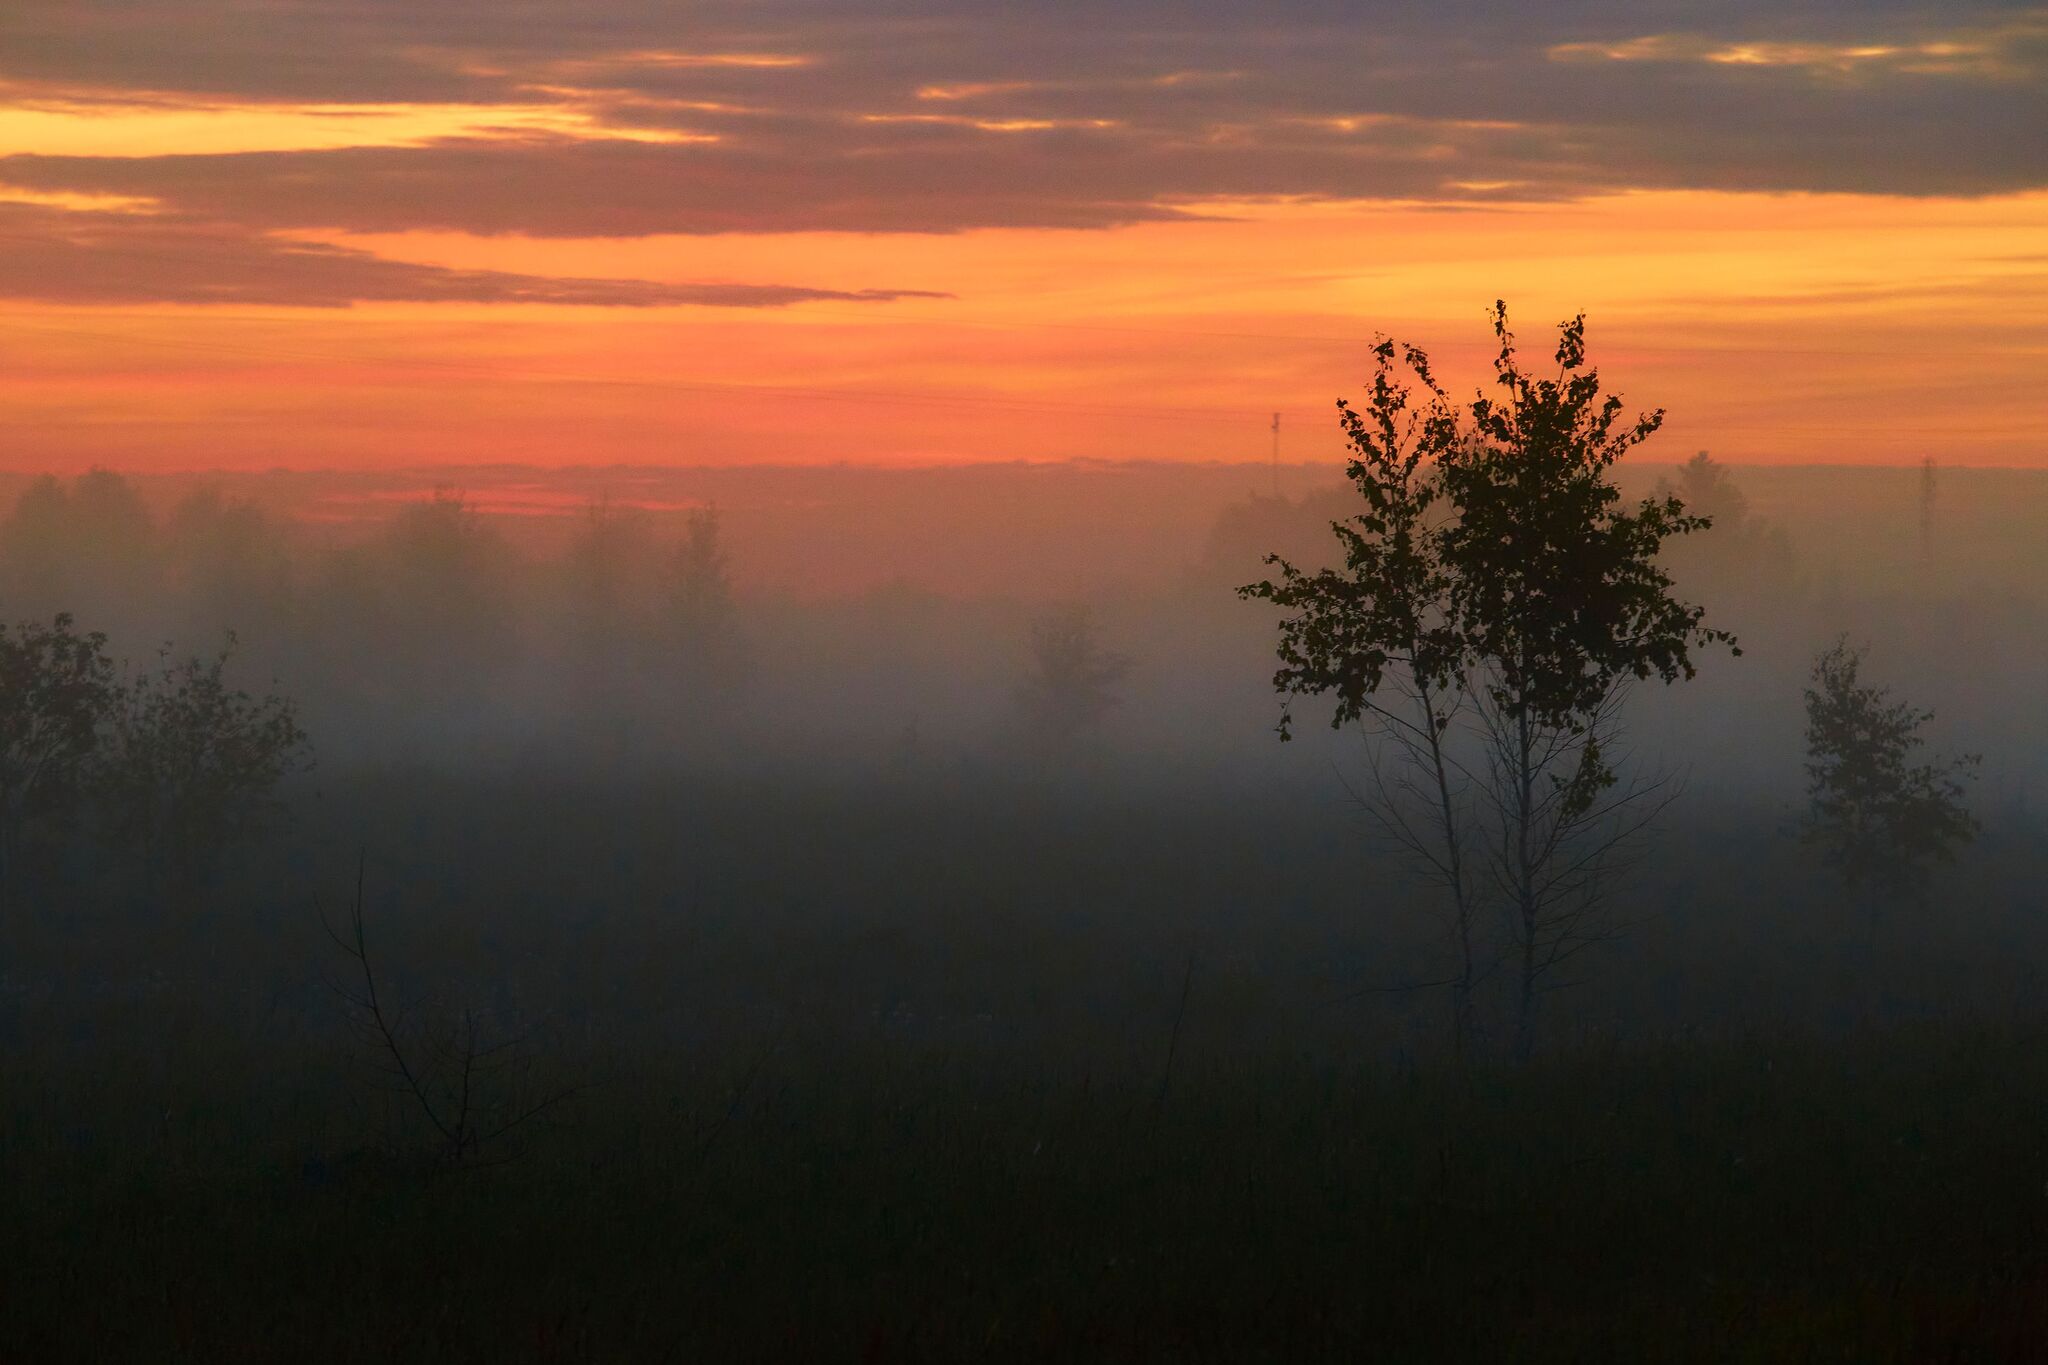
{"x": 782, "y": 988}
{"x": 984, "y": 1070}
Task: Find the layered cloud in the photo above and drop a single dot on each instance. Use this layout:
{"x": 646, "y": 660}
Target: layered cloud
{"x": 634, "y": 118}
{"x": 67, "y": 255}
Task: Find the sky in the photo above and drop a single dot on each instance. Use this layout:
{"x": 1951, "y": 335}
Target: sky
{"x": 364, "y": 234}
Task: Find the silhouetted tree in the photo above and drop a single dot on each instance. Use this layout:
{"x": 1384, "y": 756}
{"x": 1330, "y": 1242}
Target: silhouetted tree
{"x": 88, "y": 548}
{"x": 106, "y": 503}
{"x": 56, "y": 691}
{"x": 34, "y": 542}
{"x": 428, "y": 598}
{"x": 1072, "y": 682}
{"x": 611, "y": 563}
{"x": 451, "y": 569}
{"x": 193, "y": 764}
{"x": 702, "y": 585}
{"x": 1878, "y": 817}
{"x": 612, "y": 577}
{"x": 1564, "y": 603}
{"x": 1383, "y": 635}
{"x": 228, "y": 562}
{"x": 1244, "y": 533}
{"x": 703, "y": 618}
{"x": 1497, "y": 579}
{"x": 1739, "y": 552}
{"x": 456, "y": 1067}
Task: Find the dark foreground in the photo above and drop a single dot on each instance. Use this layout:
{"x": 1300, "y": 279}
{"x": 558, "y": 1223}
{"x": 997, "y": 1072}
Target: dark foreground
{"x": 1877, "y": 1202}
{"x": 877, "y": 1117}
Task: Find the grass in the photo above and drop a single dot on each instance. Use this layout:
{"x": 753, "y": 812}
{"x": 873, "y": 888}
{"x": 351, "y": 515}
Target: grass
{"x": 865, "y": 1200}
{"x": 878, "y": 1078}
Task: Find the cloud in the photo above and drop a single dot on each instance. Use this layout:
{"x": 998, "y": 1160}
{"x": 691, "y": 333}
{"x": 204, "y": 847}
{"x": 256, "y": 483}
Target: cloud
{"x": 59, "y": 255}
{"x": 2010, "y": 51}
{"x": 916, "y": 115}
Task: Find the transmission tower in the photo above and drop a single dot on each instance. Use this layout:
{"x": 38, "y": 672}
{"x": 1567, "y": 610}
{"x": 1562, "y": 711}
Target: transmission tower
{"x": 1927, "y": 492}
{"x": 1276, "y": 454}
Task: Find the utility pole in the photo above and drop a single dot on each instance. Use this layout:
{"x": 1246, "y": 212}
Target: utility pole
{"x": 1276, "y": 454}
{"x": 1927, "y": 492}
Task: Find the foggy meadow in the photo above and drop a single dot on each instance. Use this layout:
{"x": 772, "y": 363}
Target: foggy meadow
{"x": 653, "y": 898}
{"x": 805, "y": 681}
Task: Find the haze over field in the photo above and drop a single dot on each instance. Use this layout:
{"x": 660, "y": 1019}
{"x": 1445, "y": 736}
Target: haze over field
{"x": 925, "y": 680}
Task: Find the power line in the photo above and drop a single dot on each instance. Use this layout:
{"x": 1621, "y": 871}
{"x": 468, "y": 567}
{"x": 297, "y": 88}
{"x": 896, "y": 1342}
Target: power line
{"x": 1276, "y": 454}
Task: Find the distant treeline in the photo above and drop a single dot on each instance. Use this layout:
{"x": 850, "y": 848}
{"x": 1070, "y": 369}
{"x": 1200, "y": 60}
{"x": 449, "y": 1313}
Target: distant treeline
{"x": 633, "y": 636}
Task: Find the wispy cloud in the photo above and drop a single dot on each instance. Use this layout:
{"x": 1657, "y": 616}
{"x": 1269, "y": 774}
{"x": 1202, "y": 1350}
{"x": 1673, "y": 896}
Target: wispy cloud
{"x": 64, "y": 254}
{"x": 2009, "y": 51}
{"x": 631, "y": 118}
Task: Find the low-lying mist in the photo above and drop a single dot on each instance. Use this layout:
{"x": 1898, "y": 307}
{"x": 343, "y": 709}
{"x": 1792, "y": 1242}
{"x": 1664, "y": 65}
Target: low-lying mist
{"x": 630, "y": 903}
{"x": 667, "y": 628}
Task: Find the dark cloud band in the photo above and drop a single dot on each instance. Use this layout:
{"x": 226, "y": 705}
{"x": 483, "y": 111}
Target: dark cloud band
{"x": 54, "y": 255}
{"x": 920, "y": 116}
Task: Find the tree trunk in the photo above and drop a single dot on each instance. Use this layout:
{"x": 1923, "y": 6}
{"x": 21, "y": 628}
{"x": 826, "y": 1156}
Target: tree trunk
{"x": 1525, "y": 1013}
{"x": 10, "y": 848}
{"x": 1525, "y": 892}
{"x": 1461, "y": 986}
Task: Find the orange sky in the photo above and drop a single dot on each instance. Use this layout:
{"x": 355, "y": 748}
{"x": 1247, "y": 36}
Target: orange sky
{"x": 1783, "y": 324}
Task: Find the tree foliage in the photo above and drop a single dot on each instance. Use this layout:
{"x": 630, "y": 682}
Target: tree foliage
{"x": 175, "y": 764}
{"x": 1383, "y": 636}
{"x": 193, "y": 763}
{"x": 1072, "y": 683}
{"x": 1878, "y": 816}
{"x": 1497, "y": 599}
{"x": 85, "y": 549}
{"x": 1742, "y": 554}
{"x": 57, "y": 689}
{"x": 430, "y": 592}
{"x": 1558, "y": 585}
{"x": 226, "y": 562}
{"x": 702, "y": 584}
{"x": 710, "y": 649}
{"x": 610, "y": 564}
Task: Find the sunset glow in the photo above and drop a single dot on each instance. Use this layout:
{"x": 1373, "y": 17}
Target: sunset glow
{"x": 925, "y": 681}
{"x": 779, "y": 244}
